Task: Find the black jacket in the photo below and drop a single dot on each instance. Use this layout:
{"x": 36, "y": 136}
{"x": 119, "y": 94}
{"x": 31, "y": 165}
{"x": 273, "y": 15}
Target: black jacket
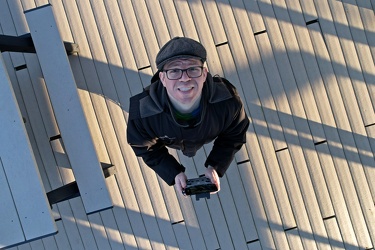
{"x": 152, "y": 127}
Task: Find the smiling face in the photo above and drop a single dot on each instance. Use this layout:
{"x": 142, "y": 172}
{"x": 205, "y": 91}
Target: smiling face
{"x": 186, "y": 91}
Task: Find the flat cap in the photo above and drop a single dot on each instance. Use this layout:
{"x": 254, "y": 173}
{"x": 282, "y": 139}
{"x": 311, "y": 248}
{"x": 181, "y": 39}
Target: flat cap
{"x": 180, "y": 47}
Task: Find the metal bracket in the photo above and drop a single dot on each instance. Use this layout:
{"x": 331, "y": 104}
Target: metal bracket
{"x": 70, "y": 190}
{"x": 25, "y": 44}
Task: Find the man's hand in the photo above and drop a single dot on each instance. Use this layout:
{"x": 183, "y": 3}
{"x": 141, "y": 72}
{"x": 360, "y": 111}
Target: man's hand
{"x": 180, "y": 181}
{"x": 214, "y": 177}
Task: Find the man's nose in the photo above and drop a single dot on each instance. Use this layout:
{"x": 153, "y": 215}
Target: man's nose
{"x": 185, "y": 76}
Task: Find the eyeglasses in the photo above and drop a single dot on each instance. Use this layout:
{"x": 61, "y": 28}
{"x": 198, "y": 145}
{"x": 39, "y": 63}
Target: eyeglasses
{"x": 192, "y": 72}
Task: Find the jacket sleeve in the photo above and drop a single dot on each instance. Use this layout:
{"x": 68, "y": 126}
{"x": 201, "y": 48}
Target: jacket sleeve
{"x": 229, "y": 141}
{"x": 153, "y": 152}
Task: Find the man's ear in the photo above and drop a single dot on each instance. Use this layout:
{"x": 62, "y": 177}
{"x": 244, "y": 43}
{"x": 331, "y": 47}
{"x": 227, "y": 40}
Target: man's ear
{"x": 205, "y": 71}
{"x": 162, "y": 77}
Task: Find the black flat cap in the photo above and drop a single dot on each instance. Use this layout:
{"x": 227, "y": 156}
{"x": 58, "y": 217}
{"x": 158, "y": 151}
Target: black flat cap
{"x": 180, "y": 47}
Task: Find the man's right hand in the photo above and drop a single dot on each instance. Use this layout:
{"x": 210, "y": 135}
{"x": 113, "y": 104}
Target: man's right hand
{"x": 180, "y": 181}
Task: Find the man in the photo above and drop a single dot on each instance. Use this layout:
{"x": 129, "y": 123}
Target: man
{"x": 185, "y": 108}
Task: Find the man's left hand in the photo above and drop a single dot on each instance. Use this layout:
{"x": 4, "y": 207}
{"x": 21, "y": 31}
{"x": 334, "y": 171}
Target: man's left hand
{"x": 214, "y": 177}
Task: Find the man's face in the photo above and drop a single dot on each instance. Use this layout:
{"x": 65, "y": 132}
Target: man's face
{"x": 185, "y": 90}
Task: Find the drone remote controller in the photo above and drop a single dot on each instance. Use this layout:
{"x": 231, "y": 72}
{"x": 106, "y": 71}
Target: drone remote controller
{"x": 200, "y": 187}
